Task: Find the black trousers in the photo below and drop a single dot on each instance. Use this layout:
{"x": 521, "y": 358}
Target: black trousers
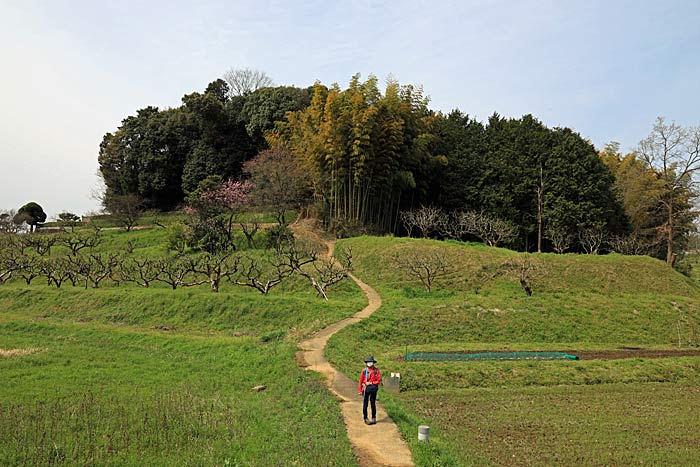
{"x": 370, "y": 397}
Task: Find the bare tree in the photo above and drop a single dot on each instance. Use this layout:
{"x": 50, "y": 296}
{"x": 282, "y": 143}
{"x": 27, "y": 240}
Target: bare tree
{"x": 30, "y": 268}
{"x": 93, "y": 268}
{"x": 524, "y": 269}
{"x": 490, "y": 229}
{"x": 320, "y": 273}
{"x": 427, "y": 219}
{"x": 629, "y": 245}
{"x": 56, "y": 270}
{"x": 78, "y": 241}
{"x": 560, "y": 236}
{"x": 38, "y": 242}
{"x": 126, "y": 209}
{"x": 243, "y": 81}
{"x": 250, "y": 227}
{"x": 426, "y": 266}
{"x": 214, "y": 268}
{"x": 408, "y": 220}
{"x": 591, "y": 239}
{"x": 172, "y": 271}
{"x": 262, "y": 277}
{"x": 7, "y": 225}
{"x": 673, "y": 152}
{"x": 10, "y": 257}
{"x": 141, "y": 271}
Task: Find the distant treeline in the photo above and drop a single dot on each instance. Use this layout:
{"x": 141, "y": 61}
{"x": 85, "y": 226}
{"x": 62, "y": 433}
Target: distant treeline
{"x": 368, "y": 156}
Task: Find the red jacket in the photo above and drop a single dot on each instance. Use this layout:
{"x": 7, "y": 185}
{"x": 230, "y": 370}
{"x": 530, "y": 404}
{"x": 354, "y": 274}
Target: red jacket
{"x": 375, "y": 377}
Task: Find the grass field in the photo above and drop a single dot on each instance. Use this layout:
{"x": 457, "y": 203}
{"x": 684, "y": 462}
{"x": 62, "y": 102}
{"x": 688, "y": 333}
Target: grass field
{"x": 127, "y": 376}
{"x": 588, "y": 412}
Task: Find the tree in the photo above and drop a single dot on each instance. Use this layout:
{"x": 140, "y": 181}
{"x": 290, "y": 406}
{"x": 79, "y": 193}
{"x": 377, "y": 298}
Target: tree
{"x": 126, "y": 209}
{"x": 490, "y": 229}
{"x": 10, "y": 257}
{"x": 31, "y": 268}
{"x": 94, "y": 268}
{"x": 212, "y": 209}
{"x": 219, "y": 143}
{"x": 214, "y": 268}
{"x": 76, "y": 242}
{"x": 68, "y": 219}
{"x": 7, "y": 224}
{"x": 367, "y": 155}
{"x": 57, "y": 271}
{"x": 264, "y": 107}
{"x": 162, "y": 155}
{"x": 172, "y": 270}
{"x": 262, "y": 275}
{"x": 524, "y": 269}
{"x": 592, "y": 238}
{"x": 640, "y": 189}
{"x": 524, "y": 173}
{"x": 41, "y": 244}
{"x": 218, "y": 89}
{"x": 559, "y": 236}
{"x": 426, "y": 266}
{"x": 320, "y": 273}
{"x": 628, "y": 245}
{"x": 141, "y": 271}
{"x": 145, "y": 156}
{"x": 427, "y": 219}
{"x": 31, "y": 213}
{"x": 243, "y": 81}
{"x": 673, "y": 152}
{"x": 278, "y": 181}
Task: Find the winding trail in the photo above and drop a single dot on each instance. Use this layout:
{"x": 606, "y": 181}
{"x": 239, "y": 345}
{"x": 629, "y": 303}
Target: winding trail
{"x": 376, "y": 445}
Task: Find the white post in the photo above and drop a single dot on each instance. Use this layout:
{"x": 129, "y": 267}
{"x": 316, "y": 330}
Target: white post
{"x": 423, "y": 433}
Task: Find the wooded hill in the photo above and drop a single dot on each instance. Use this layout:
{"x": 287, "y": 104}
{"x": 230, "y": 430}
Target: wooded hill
{"x": 365, "y": 156}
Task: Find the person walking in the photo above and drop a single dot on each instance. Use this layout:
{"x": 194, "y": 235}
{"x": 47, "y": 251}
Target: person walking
{"x": 370, "y": 377}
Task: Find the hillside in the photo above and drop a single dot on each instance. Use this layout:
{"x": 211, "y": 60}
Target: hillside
{"x": 130, "y": 376}
{"x": 528, "y": 409}
{"x": 164, "y": 375}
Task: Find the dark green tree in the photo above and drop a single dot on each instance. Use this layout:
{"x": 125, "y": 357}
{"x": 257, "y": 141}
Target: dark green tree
{"x": 262, "y": 108}
{"x": 31, "y": 213}
{"x": 522, "y": 172}
{"x": 222, "y": 143}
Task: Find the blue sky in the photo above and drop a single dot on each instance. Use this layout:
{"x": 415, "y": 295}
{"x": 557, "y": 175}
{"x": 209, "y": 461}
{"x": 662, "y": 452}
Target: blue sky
{"x": 72, "y": 70}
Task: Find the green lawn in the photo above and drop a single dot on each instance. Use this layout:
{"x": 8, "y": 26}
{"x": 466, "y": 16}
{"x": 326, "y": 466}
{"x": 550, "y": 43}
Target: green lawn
{"x": 484, "y": 413}
{"x": 127, "y": 376}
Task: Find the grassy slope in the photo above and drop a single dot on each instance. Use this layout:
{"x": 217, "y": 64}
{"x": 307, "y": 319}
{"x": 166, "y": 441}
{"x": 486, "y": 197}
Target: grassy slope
{"x": 106, "y": 388}
{"x": 579, "y": 302}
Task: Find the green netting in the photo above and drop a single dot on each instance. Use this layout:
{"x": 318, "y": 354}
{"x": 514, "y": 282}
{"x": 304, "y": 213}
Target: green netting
{"x": 454, "y": 357}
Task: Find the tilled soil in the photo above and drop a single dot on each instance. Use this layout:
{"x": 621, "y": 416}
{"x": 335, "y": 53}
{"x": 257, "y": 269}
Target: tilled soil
{"x": 615, "y": 354}
{"x": 618, "y": 354}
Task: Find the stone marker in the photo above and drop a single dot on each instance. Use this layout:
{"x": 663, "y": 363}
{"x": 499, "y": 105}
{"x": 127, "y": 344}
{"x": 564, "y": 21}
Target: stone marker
{"x": 423, "y": 433}
{"x": 393, "y": 383}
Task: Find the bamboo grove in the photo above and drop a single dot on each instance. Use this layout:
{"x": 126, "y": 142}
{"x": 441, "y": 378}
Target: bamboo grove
{"x": 365, "y": 151}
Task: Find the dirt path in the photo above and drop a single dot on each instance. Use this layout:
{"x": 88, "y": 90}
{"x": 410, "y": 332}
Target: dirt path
{"x": 376, "y": 445}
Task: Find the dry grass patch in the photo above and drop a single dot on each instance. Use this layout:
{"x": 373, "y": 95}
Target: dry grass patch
{"x": 18, "y": 352}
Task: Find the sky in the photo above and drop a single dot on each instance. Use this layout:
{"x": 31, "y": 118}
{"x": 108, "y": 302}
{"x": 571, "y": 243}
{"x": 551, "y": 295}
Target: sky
{"x": 72, "y": 70}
